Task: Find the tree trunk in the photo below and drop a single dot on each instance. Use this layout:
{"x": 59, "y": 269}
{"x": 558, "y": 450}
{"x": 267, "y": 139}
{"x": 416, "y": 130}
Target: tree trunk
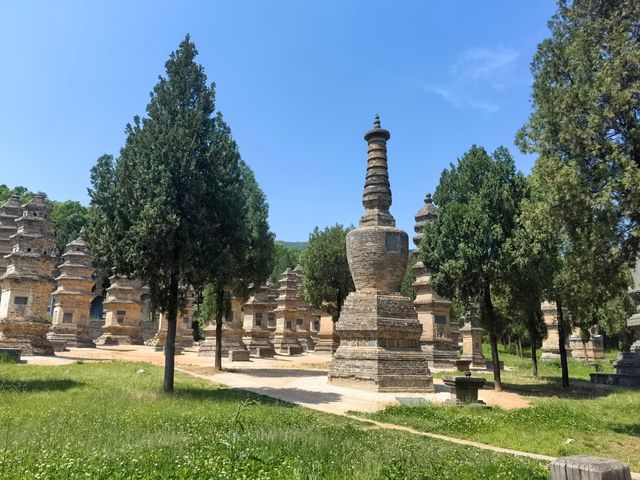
{"x": 584, "y": 351}
{"x": 219, "y": 312}
{"x": 562, "y": 334}
{"x": 534, "y": 356}
{"x": 493, "y": 338}
{"x": 170, "y": 345}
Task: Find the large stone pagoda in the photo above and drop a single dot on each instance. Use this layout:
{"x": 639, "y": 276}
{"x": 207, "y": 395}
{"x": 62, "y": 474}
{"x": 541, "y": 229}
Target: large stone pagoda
{"x": 27, "y": 282}
{"x": 433, "y": 310}
{"x": 378, "y": 327}
{"x": 122, "y": 312}
{"x": 70, "y": 326}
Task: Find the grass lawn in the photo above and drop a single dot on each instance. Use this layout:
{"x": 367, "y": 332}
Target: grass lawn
{"x": 585, "y": 419}
{"x": 105, "y": 420}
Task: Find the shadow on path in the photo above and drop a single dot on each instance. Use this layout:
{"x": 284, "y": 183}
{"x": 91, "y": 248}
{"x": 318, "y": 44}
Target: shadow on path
{"x": 277, "y": 373}
{"x": 298, "y": 395}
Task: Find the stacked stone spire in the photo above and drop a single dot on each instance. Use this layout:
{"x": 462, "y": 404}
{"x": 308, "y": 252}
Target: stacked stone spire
{"x": 9, "y": 212}
{"x": 123, "y": 311}
{"x": 378, "y": 328}
{"x": 256, "y": 311}
{"x": 433, "y": 310}
{"x": 27, "y": 282}
{"x": 377, "y": 190}
{"x": 73, "y": 297}
{"x": 285, "y": 338}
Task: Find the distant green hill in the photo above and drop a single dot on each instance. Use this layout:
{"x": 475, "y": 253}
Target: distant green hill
{"x": 300, "y": 246}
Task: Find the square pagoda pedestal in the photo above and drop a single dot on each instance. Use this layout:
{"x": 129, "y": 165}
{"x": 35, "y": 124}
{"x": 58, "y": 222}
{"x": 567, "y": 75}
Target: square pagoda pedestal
{"x": 380, "y": 345}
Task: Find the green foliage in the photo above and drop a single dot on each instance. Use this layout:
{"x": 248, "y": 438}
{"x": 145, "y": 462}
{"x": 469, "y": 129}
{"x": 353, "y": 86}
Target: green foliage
{"x": 173, "y": 210}
{"x": 24, "y": 193}
{"x": 283, "y": 257}
{"x": 68, "y": 217}
{"x": 54, "y": 426}
{"x": 586, "y": 124}
{"x": 555, "y": 414}
{"x": 298, "y": 246}
{"x": 406, "y": 288}
{"x": 327, "y": 280}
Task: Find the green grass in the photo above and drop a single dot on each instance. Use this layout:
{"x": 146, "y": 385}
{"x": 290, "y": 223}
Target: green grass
{"x": 585, "y": 419}
{"x": 104, "y": 420}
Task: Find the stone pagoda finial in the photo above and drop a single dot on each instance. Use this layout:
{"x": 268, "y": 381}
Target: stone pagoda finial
{"x": 426, "y": 214}
{"x": 377, "y": 191}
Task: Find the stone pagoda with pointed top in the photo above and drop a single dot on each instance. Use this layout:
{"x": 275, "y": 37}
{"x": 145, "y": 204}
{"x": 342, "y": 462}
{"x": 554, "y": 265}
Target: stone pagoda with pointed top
{"x": 70, "y": 326}
{"x": 122, "y": 312}
{"x": 285, "y": 338}
{"x": 433, "y": 310}
{"x": 9, "y": 212}
{"x": 304, "y": 318}
{"x": 256, "y": 311}
{"x": 378, "y": 327}
{"x": 27, "y": 282}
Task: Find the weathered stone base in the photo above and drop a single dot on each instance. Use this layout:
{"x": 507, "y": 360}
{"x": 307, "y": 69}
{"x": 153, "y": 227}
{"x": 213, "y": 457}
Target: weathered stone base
{"x": 327, "y": 342}
{"x": 551, "y": 355}
{"x": 239, "y": 356}
{"x": 259, "y": 344}
{"x": 286, "y": 343}
{"x": 632, "y": 381}
{"x": 440, "y": 356}
{"x": 627, "y": 371}
{"x": 159, "y": 341}
{"x": 29, "y": 336}
{"x": 231, "y": 340}
{"x": 120, "y": 335}
{"x": 65, "y": 335}
{"x": 12, "y": 353}
{"x": 594, "y": 348}
{"x": 305, "y": 340}
{"x": 379, "y": 345}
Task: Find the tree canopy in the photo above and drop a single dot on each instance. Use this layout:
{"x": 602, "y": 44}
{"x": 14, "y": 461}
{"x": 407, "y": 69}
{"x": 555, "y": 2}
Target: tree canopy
{"x": 166, "y": 210}
{"x": 327, "y": 280}
{"x": 479, "y": 201}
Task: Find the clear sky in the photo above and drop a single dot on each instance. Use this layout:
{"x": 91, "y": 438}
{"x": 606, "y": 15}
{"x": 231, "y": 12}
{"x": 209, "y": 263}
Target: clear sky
{"x": 298, "y": 82}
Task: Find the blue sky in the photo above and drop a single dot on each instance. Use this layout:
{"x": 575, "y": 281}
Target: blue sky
{"x": 298, "y": 82}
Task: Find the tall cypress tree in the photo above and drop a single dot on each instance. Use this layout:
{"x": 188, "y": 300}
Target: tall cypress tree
{"x": 167, "y": 210}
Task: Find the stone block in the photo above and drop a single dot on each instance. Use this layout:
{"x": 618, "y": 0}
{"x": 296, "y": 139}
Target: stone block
{"x": 589, "y": 468}
{"x": 295, "y": 350}
{"x": 239, "y": 356}
{"x": 464, "y": 390}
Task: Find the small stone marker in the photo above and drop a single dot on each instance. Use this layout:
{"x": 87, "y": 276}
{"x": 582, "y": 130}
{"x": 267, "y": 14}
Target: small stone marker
{"x": 239, "y": 355}
{"x": 589, "y": 468}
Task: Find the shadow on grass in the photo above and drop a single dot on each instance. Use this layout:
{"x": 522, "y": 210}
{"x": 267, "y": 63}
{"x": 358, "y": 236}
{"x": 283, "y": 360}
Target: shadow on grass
{"x": 627, "y": 429}
{"x": 265, "y": 395}
{"x": 37, "y": 385}
{"x": 552, "y": 387}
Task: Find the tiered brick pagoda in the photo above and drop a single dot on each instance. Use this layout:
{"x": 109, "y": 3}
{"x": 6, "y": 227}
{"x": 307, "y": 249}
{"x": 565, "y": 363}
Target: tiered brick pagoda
{"x": 304, "y": 318}
{"x": 256, "y": 311}
{"x": 433, "y": 310}
{"x": 122, "y": 311}
{"x": 378, "y": 327}
{"x": 231, "y": 335}
{"x": 285, "y": 338}
{"x": 70, "y": 326}
{"x": 9, "y": 212}
{"x": 27, "y": 282}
